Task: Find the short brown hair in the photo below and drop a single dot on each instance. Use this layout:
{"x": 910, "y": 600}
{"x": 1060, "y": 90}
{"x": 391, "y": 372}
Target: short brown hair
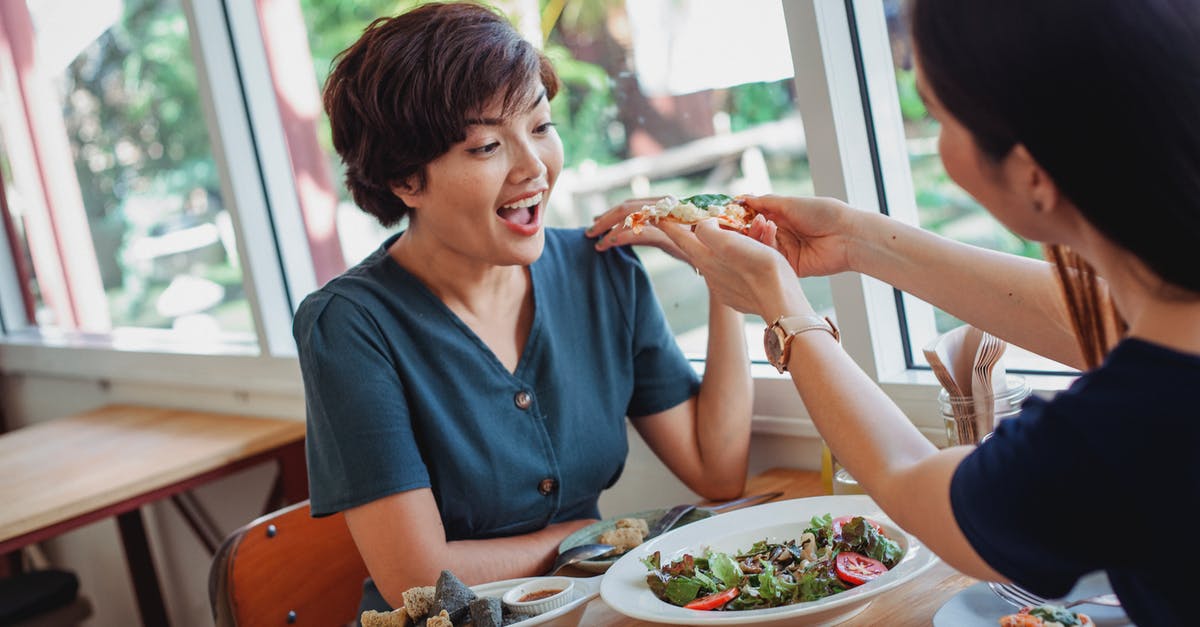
{"x": 401, "y": 95}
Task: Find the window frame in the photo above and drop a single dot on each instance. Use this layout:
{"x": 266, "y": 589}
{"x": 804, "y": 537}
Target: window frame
{"x": 846, "y": 97}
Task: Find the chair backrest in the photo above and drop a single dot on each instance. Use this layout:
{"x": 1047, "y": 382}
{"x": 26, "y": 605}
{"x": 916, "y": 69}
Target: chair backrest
{"x": 287, "y": 568}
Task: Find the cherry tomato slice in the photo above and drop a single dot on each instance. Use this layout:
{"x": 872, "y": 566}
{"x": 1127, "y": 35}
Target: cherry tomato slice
{"x": 713, "y": 601}
{"x": 857, "y": 569}
{"x": 841, "y": 520}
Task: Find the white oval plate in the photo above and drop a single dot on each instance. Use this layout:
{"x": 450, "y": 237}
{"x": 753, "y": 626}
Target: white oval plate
{"x": 569, "y": 615}
{"x": 624, "y": 585}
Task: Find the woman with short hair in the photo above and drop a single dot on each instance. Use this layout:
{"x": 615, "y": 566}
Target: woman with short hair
{"x": 467, "y": 383}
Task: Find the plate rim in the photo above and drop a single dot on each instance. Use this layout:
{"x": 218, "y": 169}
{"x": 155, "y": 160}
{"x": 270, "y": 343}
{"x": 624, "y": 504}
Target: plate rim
{"x": 917, "y": 559}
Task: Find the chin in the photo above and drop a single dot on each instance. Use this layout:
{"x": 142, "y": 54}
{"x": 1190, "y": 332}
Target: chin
{"x": 526, "y": 252}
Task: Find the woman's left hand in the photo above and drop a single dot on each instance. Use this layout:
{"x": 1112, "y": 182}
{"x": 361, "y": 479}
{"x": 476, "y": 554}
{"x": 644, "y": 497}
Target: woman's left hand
{"x": 744, "y": 272}
{"x": 609, "y": 226}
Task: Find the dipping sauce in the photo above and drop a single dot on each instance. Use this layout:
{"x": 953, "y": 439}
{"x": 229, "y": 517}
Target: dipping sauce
{"x": 539, "y": 595}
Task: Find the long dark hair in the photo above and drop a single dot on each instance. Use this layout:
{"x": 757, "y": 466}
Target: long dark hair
{"x": 401, "y": 95}
{"x": 1105, "y": 95}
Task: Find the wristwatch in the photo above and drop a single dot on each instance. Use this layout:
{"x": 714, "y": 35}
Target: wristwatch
{"x": 777, "y": 339}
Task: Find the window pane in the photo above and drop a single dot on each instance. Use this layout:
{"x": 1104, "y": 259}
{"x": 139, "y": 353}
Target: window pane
{"x": 122, "y": 76}
{"x": 942, "y": 206}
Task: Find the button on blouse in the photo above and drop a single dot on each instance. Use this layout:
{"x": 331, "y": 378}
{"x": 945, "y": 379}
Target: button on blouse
{"x": 523, "y": 400}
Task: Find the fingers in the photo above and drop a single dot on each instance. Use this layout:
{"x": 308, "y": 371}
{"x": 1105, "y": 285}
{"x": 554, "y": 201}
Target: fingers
{"x": 616, "y": 216}
{"x": 763, "y": 230}
{"x": 685, "y": 241}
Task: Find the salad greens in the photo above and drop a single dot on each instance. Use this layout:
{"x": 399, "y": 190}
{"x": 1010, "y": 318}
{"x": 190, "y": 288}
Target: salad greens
{"x": 774, "y": 574}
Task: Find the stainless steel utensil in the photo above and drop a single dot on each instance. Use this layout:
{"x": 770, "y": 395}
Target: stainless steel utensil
{"x": 578, "y": 554}
{"x": 745, "y": 500}
{"x": 671, "y": 518}
{"x": 668, "y": 520}
{"x": 1021, "y": 597}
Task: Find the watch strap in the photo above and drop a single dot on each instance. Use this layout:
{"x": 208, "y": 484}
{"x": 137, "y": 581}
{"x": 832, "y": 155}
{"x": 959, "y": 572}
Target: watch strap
{"x": 795, "y": 325}
{"x": 790, "y": 326}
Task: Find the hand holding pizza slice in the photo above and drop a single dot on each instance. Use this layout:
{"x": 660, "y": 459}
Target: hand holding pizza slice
{"x": 729, "y": 212}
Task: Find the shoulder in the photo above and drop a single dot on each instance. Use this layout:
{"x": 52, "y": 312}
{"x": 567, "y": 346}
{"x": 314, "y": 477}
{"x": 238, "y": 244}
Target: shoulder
{"x": 572, "y": 256}
{"x": 1137, "y": 377}
{"x": 574, "y": 246}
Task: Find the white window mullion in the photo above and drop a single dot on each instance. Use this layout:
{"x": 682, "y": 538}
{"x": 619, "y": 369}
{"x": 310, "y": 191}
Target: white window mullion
{"x": 242, "y": 179}
{"x": 274, "y": 158}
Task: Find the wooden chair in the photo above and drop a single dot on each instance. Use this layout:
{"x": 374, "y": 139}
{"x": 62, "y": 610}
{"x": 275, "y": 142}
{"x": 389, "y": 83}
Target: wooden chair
{"x": 287, "y": 568}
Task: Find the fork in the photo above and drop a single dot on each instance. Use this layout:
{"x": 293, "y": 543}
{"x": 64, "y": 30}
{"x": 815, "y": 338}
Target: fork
{"x": 1021, "y": 597}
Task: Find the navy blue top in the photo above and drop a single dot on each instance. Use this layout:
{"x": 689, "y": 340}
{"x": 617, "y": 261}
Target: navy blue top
{"x": 401, "y": 394}
{"x": 1099, "y": 478}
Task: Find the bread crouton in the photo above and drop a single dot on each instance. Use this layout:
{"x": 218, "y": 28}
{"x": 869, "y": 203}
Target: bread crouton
{"x": 442, "y": 619}
{"x": 418, "y": 601}
{"x": 623, "y": 538}
{"x": 634, "y": 523}
{"x": 394, "y": 618}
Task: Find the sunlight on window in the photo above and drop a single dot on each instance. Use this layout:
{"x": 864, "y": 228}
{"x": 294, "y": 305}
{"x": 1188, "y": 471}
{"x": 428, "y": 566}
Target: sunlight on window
{"x": 111, "y": 105}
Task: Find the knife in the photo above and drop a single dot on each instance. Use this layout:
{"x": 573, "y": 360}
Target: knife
{"x": 745, "y": 500}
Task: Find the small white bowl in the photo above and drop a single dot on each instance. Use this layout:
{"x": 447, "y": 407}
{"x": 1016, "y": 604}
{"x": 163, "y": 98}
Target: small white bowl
{"x": 562, "y": 594}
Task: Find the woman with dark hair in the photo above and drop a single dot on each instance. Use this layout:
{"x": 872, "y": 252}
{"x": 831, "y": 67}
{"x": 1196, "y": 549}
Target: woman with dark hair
{"x": 467, "y": 384}
{"x": 1075, "y": 124}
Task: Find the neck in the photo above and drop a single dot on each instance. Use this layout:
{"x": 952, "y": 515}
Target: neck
{"x": 466, "y": 285}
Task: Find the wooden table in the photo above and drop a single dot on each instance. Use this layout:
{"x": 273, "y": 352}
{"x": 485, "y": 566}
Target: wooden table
{"x": 913, "y": 603}
{"x": 62, "y": 474}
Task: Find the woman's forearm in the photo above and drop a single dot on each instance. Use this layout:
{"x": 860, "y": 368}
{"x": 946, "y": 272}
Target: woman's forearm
{"x": 472, "y": 561}
{"x": 1012, "y": 297}
{"x": 725, "y": 404}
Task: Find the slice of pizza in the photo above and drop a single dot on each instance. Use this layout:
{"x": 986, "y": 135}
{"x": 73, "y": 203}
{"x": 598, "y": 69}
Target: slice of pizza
{"x": 730, "y": 213}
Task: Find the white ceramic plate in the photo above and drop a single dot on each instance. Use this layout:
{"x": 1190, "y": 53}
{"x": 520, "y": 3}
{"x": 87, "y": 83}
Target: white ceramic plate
{"x": 624, "y": 586}
{"x": 569, "y": 615}
{"x": 978, "y": 606}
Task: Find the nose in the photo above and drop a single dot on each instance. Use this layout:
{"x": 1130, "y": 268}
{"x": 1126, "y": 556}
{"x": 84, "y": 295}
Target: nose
{"x": 527, "y": 163}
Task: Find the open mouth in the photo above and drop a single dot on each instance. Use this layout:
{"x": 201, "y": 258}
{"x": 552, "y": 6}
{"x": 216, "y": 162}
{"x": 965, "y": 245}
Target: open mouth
{"x": 523, "y": 212}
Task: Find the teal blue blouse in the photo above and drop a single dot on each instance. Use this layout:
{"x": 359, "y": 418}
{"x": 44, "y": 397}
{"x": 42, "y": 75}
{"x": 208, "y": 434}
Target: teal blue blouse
{"x": 402, "y": 395}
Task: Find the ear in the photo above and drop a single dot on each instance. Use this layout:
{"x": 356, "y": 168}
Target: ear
{"x": 408, "y": 190}
{"x": 1033, "y": 181}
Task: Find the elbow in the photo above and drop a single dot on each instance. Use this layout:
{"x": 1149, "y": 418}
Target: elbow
{"x": 722, "y": 488}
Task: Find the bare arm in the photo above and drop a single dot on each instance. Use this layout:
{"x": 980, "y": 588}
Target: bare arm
{"x": 1012, "y": 297}
{"x": 404, "y": 545}
{"x": 705, "y": 441}
{"x": 894, "y": 462}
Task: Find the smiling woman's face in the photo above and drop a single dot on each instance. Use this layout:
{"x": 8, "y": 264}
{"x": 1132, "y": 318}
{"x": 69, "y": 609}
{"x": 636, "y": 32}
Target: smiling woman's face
{"x": 485, "y": 198}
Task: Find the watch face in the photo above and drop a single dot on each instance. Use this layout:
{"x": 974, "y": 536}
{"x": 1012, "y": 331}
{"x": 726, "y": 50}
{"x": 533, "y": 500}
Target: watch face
{"x": 773, "y": 345}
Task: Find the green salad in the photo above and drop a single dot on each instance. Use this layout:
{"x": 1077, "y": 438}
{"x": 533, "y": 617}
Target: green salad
{"x": 832, "y": 555}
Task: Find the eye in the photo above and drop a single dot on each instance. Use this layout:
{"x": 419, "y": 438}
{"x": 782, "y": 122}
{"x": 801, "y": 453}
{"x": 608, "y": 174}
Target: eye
{"x": 542, "y": 129}
{"x": 486, "y": 149}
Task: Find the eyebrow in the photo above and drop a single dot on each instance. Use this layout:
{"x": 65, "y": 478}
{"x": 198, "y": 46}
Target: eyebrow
{"x": 498, "y": 121}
